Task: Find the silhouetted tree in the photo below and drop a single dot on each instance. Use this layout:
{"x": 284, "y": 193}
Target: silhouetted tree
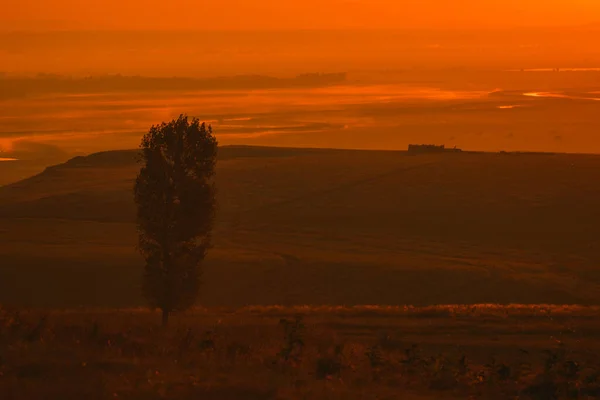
{"x": 175, "y": 197}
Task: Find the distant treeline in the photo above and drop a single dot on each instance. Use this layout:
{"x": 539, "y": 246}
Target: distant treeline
{"x": 11, "y": 87}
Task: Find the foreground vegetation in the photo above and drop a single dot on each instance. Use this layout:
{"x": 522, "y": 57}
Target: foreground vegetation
{"x": 484, "y": 351}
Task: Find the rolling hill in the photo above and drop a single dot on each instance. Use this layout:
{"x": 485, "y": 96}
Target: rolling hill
{"x": 309, "y": 226}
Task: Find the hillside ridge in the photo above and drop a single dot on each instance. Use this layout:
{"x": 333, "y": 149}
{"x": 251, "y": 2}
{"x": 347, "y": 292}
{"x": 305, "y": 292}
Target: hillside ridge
{"x": 126, "y": 157}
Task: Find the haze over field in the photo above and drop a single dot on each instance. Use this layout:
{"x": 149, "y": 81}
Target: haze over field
{"x": 415, "y": 72}
{"x": 46, "y": 120}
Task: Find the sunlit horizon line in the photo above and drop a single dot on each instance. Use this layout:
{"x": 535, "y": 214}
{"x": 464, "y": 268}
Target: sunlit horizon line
{"x": 511, "y": 106}
{"x": 8, "y": 159}
{"x": 559, "y": 96}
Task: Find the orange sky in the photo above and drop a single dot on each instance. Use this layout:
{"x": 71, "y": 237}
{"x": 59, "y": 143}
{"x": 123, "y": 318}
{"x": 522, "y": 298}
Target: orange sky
{"x": 292, "y": 14}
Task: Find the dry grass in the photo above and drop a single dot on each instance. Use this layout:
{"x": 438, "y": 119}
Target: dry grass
{"x": 481, "y": 351}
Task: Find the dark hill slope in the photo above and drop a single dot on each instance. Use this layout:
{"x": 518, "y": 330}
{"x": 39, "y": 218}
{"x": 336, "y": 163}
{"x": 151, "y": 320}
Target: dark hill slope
{"x": 324, "y": 226}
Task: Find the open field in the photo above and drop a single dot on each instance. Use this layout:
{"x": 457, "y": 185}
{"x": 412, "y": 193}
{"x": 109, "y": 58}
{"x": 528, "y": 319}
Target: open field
{"x": 329, "y": 353}
{"x": 321, "y": 227}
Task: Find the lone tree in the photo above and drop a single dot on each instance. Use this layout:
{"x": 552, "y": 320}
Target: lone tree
{"x": 175, "y": 197}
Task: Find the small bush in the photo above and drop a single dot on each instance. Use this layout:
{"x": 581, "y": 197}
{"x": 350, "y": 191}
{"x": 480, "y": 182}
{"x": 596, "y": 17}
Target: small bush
{"x": 293, "y": 345}
{"x": 330, "y": 365}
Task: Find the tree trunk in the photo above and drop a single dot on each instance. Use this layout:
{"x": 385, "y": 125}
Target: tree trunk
{"x": 165, "y": 317}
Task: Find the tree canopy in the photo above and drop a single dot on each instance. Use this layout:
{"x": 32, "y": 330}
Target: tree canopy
{"x": 175, "y": 197}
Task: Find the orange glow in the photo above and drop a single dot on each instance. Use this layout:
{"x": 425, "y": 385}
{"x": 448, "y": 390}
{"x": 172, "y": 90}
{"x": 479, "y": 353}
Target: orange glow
{"x": 485, "y": 75}
{"x": 295, "y": 14}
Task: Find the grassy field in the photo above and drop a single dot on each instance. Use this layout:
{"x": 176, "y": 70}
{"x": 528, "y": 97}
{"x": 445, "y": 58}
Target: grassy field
{"x": 443, "y": 352}
{"x": 305, "y": 240}
{"x": 321, "y": 227}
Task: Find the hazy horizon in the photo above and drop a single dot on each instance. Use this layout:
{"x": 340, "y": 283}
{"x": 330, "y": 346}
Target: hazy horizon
{"x": 417, "y": 72}
{"x": 545, "y": 111}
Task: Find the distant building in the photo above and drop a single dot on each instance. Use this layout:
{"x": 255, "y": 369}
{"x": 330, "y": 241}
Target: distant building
{"x": 430, "y": 148}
